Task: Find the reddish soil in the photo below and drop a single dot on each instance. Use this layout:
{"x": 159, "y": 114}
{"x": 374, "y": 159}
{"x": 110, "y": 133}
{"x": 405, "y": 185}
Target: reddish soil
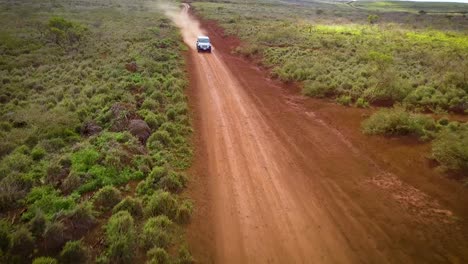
{"x": 279, "y": 178}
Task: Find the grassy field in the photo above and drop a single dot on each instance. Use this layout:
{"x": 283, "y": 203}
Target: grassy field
{"x": 416, "y": 7}
{"x": 364, "y": 57}
{"x": 94, "y": 133}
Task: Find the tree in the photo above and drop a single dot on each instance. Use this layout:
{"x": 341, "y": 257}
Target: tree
{"x": 63, "y": 32}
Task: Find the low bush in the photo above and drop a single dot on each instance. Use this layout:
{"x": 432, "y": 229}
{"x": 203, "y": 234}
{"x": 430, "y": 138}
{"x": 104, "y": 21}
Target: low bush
{"x": 38, "y": 153}
{"x": 74, "y": 252}
{"x": 184, "y": 212}
{"x": 173, "y": 182}
{"x": 107, "y": 197}
{"x": 44, "y": 260}
{"x": 120, "y": 237}
{"x": 184, "y": 256}
{"x": 72, "y": 182}
{"x": 157, "y": 173}
{"x": 317, "y": 89}
{"x": 158, "y": 255}
{"x": 397, "y": 121}
{"x": 80, "y": 219}
{"x": 159, "y": 138}
{"x": 38, "y": 223}
{"x": 54, "y": 236}
{"x": 156, "y": 232}
{"x": 131, "y": 205}
{"x": 84, "y": 159}
{"x": 146, "y": 187}
{"x": 17, "y": 161}
{"x": 13, "y": 188}
{"x": 450, "y": 149}
{"x": 5, "y": 236}
{"x": 362, "y": 103}
{"x": 154, "y": 121}
{"x": 22, "y": 242}
{"x": 161, "y": 203}
{"x": 345, "y": 100}
{"x": 49, "y": 201}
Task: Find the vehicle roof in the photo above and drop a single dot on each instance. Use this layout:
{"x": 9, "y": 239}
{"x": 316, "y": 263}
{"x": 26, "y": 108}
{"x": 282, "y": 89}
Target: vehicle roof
{"x": 203, "y": 37}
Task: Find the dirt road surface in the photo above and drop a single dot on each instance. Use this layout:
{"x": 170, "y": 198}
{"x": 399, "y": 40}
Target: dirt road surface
{"x": 277, "y": 184}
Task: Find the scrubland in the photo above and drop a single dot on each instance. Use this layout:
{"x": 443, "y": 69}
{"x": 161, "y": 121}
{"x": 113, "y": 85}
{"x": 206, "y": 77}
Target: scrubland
{"x": 94, "y": 133}
{"x": 403, "y": 56}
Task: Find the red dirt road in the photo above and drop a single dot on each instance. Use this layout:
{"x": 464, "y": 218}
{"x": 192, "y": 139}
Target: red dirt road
{"x": 276, "y": 184}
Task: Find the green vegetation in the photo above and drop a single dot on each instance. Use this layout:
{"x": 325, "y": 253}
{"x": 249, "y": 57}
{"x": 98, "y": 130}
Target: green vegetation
{"x": 107, "y": 197}
{"x": 120, "y": 237}
{"x": 363, "y": 53}
{"x": 92, "y": 105}
{"x": 343, "y": 51}
{"x": 393, "y": 122}
{"x": 45, "y": 260}
{"x": 74, "y": 252}
{"x": 415, "y": 7}
{"x": 449, "y": 147}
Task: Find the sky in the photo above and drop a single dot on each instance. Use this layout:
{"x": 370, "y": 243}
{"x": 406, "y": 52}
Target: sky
{"x": 448, "y": 1}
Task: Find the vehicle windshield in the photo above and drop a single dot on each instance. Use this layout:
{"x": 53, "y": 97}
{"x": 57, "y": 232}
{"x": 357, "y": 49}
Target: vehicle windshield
{"x": 204, "y": 40}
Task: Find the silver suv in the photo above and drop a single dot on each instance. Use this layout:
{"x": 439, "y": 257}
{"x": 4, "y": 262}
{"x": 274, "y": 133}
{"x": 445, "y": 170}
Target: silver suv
{"x": 203, "y": 44}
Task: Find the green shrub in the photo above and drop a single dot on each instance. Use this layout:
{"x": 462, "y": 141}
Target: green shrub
{"x": 120, "y": 237}
{"x": 173, "y": 182}
{"x": 171, "y": 114}
{"x": 82, "y": 217}
{"x": 73, "y": 181}
{"x": 160, "y": 137}
{"x": 158, "y": 255}
{"x": 317, "y": 89}
{"x": 156, "y": 233}
{"x": 5, "y": 126}
{"x": 362, "y": 103}
{"x": 443, "y": 122}
{"x": 107, "y": 197}
{"x": 146, "y": 187}
{"x": 44, "y": 260}
{"x": 16, "y": 161}
{"x": 184, "y": 212}
{"x": 64, "y": 32}
{"x": 157, "y": 173}
{"x": 49, "y": 201}
{"x": 74, "y": 252}
{"x": 5, "y": 236}
{"x": 38, "y": 223}
{"x": 184, "y": 256}
{"x": 397, "y": 121}
{"x": 54, "y": 236}
{"x": 38, "y": 153}
{"x": 22, "y": 242}
{"x": 13, "y": 188}
{"x": 372, "y": 19}
{"x": 345, "y": 100}
{"x": 161, "y": 203}
{"x": 388, "y": 92}
{"x": 450, "y": 149}
{"x": 84, "y": 159}
{"x": 131, "y": 205}
{"x": 150, "y": 104}
{"x": 154, "y": 121}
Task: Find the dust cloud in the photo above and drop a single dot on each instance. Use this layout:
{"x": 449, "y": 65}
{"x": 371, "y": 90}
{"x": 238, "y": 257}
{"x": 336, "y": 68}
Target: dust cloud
{"x": 189, "y": 27}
